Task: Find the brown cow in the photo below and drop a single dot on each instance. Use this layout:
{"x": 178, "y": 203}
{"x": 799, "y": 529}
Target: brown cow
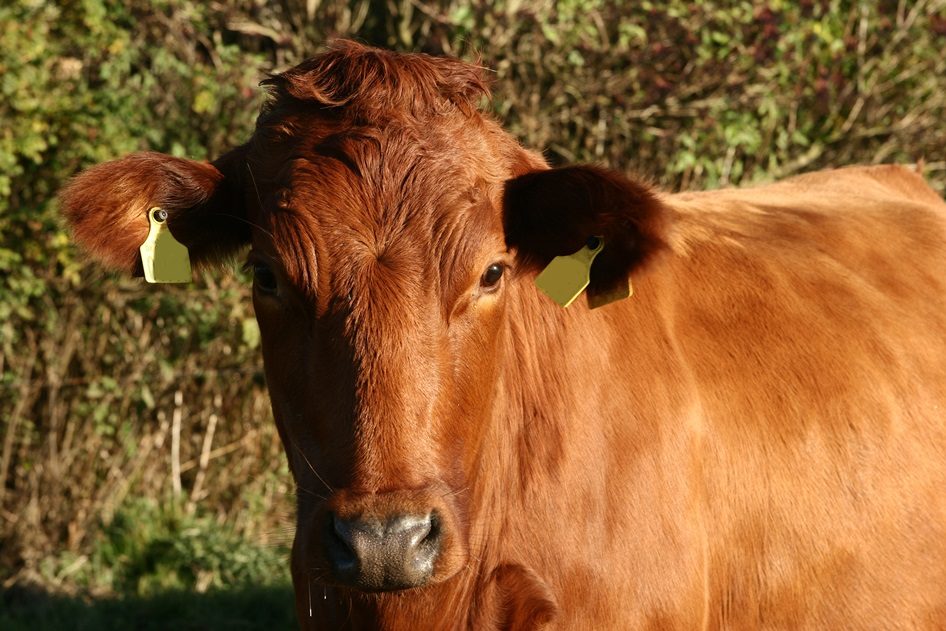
{"x": 755, "y": 439}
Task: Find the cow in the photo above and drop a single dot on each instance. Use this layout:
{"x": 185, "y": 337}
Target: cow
{"x": 754, "y": 439}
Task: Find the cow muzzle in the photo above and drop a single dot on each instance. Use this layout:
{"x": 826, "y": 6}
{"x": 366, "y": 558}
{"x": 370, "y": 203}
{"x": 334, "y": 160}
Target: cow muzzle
{"x": 374, "y": 554}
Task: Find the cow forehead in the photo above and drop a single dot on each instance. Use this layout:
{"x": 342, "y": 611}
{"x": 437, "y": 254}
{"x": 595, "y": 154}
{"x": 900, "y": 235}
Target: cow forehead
{"x": 415, "y": 203}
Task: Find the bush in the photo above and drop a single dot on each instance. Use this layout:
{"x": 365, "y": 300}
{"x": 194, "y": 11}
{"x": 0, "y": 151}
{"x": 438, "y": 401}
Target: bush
{"x": 149, "y": 547}
{"x": 96, "y": 370}
{"x": 101, "y": 376}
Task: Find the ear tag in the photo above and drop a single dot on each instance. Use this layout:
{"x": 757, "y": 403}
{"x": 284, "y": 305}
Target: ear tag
{"x": 164, "y": 258}
{"x": 621, "y": 292}
{"x": 566, "y": 277}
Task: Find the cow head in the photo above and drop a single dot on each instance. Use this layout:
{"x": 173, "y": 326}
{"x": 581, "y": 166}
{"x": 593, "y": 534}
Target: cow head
{"x": 393, "y": 233}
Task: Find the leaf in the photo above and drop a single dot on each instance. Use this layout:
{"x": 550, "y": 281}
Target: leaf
{"x": 251, "y": 334}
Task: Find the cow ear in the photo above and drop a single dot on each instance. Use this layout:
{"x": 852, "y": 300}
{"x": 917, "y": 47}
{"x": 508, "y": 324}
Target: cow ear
{"x": 107, "y": 206}
{"x": 553, "y": 212}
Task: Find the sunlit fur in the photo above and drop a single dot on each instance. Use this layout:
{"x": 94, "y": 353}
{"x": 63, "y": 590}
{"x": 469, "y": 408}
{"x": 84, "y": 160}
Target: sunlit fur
{"x": 755, "y": 439}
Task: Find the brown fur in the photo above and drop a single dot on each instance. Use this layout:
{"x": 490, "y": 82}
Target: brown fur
{"x": 108, "y": 205}
{"x": 356, "y": 82}
{"x": 754, "y": 440}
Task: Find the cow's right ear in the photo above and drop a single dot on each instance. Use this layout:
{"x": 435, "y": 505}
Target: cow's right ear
{"x": 107, "y": 206}
{"x": 553, "y": 212}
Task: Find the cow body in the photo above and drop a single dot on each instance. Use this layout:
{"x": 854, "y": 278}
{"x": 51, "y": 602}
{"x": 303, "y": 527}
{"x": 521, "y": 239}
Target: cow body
{"x": 755, "y": 439}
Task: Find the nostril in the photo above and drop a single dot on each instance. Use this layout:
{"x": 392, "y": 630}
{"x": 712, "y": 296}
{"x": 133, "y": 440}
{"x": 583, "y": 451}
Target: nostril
{"x": 341, "y": 547}
{"x": 432, "y": 535}
{"x": 424, "y": 549}
{"x": 415, "y": 530}
{"x": 342, "y": 530}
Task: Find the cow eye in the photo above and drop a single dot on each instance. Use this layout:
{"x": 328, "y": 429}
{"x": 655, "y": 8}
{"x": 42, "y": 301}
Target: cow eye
{"x": 492, "y": 275}
{"x": 263, "y": 278}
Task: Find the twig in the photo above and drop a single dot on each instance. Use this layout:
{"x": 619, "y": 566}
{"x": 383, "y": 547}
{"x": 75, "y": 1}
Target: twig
{"x": 204, "y": 457}
{"x": 176, "y": 444}
{"x": 23, "y": 400}
{"x": 221, "y": 451}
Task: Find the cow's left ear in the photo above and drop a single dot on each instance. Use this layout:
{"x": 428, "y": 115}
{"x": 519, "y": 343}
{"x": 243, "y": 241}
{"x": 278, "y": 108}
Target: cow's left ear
{"x": 107, "y": 206}
{"x": 553, "y": 212}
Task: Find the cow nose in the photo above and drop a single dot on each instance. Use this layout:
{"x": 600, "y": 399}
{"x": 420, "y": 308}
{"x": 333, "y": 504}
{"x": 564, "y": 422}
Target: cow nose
{"x": 384, "y": 555}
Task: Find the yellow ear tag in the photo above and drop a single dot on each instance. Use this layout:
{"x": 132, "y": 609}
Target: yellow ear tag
{"x": 566, "y": 277}
{"x": 164, "y": 259}
{"x": 619, "y": 293}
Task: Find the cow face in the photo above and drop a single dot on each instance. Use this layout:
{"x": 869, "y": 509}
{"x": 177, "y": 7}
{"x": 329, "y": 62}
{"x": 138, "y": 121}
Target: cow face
{"x": 393, "y": 231}
{"x": 380, "y": 283}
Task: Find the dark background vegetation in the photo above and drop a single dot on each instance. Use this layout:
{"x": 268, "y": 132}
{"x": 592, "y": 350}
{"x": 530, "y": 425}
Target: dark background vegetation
{"x": 139, "y": 466}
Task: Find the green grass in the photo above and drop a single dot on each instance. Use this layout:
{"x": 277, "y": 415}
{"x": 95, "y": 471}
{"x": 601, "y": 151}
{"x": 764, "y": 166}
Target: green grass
{"x": 269, "y": 607}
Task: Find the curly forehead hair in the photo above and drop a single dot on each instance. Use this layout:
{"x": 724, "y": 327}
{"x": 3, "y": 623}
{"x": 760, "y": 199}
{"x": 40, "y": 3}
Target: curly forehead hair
{"x": 377, "y": 84}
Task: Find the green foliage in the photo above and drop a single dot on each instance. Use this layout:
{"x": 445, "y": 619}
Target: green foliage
{"x": 87, "y": 81}
{"x": 708, "y": 94}
{"x": 94, "y": 369}
{"x": 150, "y": 547}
